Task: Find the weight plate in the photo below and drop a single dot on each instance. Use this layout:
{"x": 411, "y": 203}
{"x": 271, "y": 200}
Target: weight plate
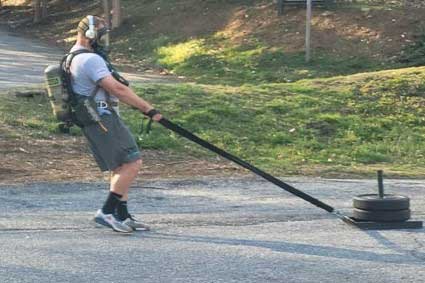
{"x": 382, "y": 216}
{"x": 373, "y": 202}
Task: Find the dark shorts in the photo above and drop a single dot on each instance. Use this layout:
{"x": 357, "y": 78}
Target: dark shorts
{"x": 113, "y": 148}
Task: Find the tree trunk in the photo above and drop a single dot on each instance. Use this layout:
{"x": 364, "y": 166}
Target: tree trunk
{"x": 44, "y": 12}
{"x": 37, "y": 10}
{"x": 107, "y": 12}
{"x": 113, "y": 13}
{"x": 117, "y": 13}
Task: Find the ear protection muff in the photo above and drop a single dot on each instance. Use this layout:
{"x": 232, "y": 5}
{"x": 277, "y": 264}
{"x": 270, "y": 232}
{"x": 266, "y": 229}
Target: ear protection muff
{"x": 91, "y": 32}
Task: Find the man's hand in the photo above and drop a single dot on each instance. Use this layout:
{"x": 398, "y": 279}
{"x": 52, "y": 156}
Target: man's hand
{"x": 157, "y": 117}
{"x": 154, "y": 114}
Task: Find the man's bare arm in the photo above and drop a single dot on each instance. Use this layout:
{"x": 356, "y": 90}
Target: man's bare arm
{"x": 126, "y": 95}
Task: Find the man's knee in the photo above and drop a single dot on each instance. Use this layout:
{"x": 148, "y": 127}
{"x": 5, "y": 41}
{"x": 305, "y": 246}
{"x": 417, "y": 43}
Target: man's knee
{"x": 135, "y": 165}
{"x": 138, "y": 163}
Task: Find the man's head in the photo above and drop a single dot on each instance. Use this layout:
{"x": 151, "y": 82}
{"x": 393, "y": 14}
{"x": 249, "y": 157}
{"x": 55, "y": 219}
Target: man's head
{"x": 91, "y": 31}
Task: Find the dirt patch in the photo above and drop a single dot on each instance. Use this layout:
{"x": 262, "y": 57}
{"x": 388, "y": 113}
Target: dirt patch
{"x": 379, "y": 33}
{"x": 67, "y": 158}
{"x": 371, "y": 32}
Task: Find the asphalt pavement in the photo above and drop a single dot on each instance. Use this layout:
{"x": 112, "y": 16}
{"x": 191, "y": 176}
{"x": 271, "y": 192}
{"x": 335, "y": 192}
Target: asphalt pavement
{"x": 23, "y": 60}
{"x": 205, "y": 230}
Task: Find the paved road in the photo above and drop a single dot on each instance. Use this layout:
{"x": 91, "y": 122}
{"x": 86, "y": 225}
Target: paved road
{"x": 23, "y": 60}
{"x": 206, "y": 230}
{"x": 233, "y": 230}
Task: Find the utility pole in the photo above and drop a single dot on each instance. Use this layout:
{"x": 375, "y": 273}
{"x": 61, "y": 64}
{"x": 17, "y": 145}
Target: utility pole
{"x": 308, "y": 32}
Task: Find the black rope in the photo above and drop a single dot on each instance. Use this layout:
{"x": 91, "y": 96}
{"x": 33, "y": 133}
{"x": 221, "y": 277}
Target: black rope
{"x": 185, "y": 133}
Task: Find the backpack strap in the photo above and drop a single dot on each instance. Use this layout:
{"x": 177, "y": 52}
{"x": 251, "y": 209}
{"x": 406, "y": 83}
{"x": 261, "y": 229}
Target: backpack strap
{"x": 67, "y": 59}
{"x": 66, "y": 73}
{"x": 66, "y": 66}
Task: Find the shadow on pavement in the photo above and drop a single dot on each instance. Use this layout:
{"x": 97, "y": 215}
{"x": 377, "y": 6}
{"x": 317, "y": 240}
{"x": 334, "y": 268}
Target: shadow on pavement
{"x": 302, "y": 249}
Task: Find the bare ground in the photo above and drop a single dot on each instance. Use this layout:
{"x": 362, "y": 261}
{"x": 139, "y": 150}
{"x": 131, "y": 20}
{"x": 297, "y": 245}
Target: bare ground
{"x": 62, "y": 158}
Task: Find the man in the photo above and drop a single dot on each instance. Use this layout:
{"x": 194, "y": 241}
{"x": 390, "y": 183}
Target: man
{"x": 112, "y": 144}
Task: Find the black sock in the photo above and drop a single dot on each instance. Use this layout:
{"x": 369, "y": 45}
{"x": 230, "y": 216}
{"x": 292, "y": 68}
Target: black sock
{"x": 122, "y": 211}
{"x": 111, "y": 203}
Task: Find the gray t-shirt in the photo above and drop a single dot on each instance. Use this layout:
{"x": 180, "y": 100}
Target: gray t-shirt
{"x": 87, "y": 70}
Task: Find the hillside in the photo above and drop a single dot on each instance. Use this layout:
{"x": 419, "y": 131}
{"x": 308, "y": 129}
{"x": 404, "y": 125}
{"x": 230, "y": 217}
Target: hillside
{"x": 236, "y": 42}
{"x": 357, "y": 107}
{"x": 340, "y": 126}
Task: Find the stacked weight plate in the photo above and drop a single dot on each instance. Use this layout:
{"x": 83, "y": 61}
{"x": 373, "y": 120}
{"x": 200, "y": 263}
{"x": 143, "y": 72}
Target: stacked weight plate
{"x": 384, "y": 208}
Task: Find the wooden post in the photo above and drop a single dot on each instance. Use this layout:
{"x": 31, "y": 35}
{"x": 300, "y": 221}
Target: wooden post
{"x": 36, "y": 4}
{"x": 308, "y": 33}
{"x": 107, "y": 12}
{"x": 280, "y": 4}
{"x": 44, "y": 12}
{"x": 116, "y": 13}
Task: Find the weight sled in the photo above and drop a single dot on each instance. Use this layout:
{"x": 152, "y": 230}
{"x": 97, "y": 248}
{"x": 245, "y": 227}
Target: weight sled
{"x": 371, "y": 225}
{"x": 363, "y": 225}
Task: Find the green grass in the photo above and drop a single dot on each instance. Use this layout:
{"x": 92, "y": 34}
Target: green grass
{"x": 368, "y": 119}
{"x": 215, "y": 59}
{"x": 27, "y": 117}
{"x": 340, "y": 124}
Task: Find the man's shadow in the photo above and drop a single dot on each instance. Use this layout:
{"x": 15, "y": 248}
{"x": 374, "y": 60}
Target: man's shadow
{"x": 400, "y": 254}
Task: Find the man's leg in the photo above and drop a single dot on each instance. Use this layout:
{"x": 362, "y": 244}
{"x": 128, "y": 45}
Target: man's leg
{"x": 121, "y": 180}
{"x": 123, "y": 176}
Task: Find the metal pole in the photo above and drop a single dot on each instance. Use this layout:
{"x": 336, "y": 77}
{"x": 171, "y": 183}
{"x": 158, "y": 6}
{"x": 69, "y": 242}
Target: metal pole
{"x": 308, "y": 32}
{"x": 280, "y": 4}
{"x": 381, "y": 183}
{"x": 185, "y": 133}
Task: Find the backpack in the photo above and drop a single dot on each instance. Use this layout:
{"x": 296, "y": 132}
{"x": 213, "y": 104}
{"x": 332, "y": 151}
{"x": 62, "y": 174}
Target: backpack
{"x": 62, "y": 97}
{"x": 59, "y": 90}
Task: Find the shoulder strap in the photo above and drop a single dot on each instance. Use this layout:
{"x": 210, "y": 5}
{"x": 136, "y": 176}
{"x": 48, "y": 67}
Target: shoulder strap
{"x": 65, "y": 65}
{"x": 67, "y": 59}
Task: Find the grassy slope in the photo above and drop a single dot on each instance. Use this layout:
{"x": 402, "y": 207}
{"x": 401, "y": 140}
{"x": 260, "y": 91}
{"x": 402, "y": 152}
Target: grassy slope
{"x": 290, "y": 118}
{"x": 342, "y": 124}
{"x": 234, "y": 42}
{"x": 351, "y": 123}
